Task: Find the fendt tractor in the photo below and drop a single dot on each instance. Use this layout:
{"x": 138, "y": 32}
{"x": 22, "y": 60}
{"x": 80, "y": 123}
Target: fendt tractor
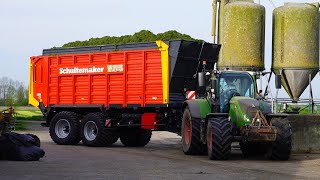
{"x": 98, "y": 94}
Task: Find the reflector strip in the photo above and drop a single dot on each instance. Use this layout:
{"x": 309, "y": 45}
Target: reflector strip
{"x": 191, "y": 94}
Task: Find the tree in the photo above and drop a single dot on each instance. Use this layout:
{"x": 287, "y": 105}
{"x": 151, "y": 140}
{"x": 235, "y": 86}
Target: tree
{"x": 4, "y": 85}
{"x": 21, "y": 96}
{"x": 12, "y": 92}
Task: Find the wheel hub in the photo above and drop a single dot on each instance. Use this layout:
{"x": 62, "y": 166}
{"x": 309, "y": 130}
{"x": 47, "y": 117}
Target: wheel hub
{"x": 90, "y": 130}
{"x": 62, "y": 128}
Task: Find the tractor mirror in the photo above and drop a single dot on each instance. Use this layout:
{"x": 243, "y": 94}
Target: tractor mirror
{"x": 201, "y": 79}
{"x": 214, "y": 84}
{"x": 278, "y": 81}
{"x": 259, "y": 85}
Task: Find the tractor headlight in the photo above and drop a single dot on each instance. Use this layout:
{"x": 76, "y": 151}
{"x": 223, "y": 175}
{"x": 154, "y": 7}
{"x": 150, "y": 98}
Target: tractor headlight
{"x": 245, "y": 117}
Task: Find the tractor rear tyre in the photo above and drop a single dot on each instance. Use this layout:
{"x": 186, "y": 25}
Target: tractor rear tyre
{"x": 64, "y": 128}
{"x": 190, "y": 132}
{"x": 281, "y": 148}
{"x": 136, "y": 137}
{"x": 219, "y": 138}
{"x": 94, "y": 133}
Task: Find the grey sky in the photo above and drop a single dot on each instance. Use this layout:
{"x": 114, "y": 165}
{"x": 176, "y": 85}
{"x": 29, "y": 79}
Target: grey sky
{"x": 29, "y": 26}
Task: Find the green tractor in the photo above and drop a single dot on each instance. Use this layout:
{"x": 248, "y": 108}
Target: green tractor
{"x": 229, "y": 108}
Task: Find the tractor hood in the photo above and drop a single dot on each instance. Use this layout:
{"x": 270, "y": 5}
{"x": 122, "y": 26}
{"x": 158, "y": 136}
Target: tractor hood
{"x": 244, "y": 109}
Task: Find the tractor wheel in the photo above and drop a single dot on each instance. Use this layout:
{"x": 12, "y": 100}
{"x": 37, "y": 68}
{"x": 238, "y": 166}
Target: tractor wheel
{"x": 143, "y": 137}
{"x": 64, "y": 128}
{"x": 115, "y": 136}
{"x": 136, "y": 137}
{"x": 93, "y": 131}
{"x": 190, "y": 132}
{"x": 281, "y": 148}
{"x": 219, "y": 138}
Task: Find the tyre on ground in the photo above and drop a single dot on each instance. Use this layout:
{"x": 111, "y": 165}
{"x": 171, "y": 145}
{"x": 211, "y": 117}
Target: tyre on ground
{"x": 281, "y": 148}
{"x": 94, "y": 133}
{"x": 191, "y": 135}
{"x": 135, "y": 137}
{"x": 116, "y": 136}
{"x": 219, "y": 138}
{"x": 65, "y": 128}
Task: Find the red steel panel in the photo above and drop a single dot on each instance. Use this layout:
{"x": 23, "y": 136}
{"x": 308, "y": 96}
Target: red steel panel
{"x": 116, "y": 86}
{"x": 81, "y": 91}
{"x": 98, "y": 58}
{"x": 82, "y": 59}
{"x": 66, "y": 60}
{"x": 124, "y": 77}
{"x": 98, "y": 89}
{"x": 153, "y": 78}
{"x": 65, "y": 90}
{"x": 148, "y": 120}
{"x": 53, "y": 80}
{"x": 40, "y": 79}
{"x": 134, "y": 78}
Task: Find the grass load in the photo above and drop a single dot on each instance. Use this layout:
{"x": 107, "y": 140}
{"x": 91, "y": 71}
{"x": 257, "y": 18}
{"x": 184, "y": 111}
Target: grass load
{"x": 141, "y": 36}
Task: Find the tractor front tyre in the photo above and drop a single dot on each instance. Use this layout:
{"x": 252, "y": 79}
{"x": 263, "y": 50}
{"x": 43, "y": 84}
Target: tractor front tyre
{"x": 64, "y": 128}
{"x": 94, "y": 133}
{"x": 219, "y": 138}
{"x": 281, "y": 148}
{"x": 190, "y": 132}
{"x": 135, "y": 137}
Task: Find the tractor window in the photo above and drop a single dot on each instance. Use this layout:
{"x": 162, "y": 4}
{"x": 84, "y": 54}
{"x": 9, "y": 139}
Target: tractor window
{"x": 234, "y": 84}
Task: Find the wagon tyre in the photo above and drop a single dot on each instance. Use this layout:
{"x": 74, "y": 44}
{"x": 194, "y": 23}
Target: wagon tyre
{"x": 127, "y": 138}
{"x": 190, "y": 132}
{"x": 136, "y": 138}
{"x": 219, "y": 138}
{"x": 281, "y": 148}
{"x": 144, "y": 137}
{"x": 93, "y": 131}
{"x": 64, "y": 128}
{"x": 115, "y": 136}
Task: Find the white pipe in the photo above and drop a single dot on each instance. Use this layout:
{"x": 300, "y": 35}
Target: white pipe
{"x": 214, "y": 20}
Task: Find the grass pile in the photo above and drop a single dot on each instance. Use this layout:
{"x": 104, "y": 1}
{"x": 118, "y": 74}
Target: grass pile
{"x": 141, "y": 36}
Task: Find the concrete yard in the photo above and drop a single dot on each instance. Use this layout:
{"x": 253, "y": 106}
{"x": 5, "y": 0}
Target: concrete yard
{"x": 162, "y": 158}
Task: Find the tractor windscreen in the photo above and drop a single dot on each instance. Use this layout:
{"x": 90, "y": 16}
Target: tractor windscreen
{"x": 234, "y": 84}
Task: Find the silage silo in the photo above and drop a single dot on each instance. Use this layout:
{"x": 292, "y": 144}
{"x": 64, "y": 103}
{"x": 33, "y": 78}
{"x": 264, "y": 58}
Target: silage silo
{"x": 296, "y": 45}
{"x": 241, "y": 34}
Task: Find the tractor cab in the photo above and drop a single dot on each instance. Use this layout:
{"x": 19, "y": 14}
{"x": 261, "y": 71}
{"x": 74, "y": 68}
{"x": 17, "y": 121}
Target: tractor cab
{"x": 232, "y": 84}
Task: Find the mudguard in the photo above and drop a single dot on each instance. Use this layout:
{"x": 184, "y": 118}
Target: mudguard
{"x": 199, "y": 108}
